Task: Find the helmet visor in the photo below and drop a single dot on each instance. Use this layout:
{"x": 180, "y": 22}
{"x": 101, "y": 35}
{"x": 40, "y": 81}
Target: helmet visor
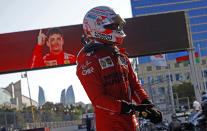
{"x": 118, "y": 23}
{"x": 119, "y": 20}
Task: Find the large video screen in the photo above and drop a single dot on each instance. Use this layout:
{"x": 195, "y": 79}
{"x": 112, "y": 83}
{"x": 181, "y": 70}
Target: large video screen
{"x": 146, "y": 35}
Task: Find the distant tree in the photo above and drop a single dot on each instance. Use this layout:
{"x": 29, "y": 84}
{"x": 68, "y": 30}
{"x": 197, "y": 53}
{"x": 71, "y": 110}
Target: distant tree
{"x": 59, "y": 108}
{"x": 47, "y": 107}
{"x": 78, "y": 111}
{"x": 185, "y": 89}
{"x": 91, "y": 109}
{"x": 7, "y": 108}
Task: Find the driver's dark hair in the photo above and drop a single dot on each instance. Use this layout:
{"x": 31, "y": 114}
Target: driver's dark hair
{"x": 54, "y": 31}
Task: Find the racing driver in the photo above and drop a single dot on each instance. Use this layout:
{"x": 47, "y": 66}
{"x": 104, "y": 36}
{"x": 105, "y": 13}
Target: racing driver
{"x": 107, "y": 75}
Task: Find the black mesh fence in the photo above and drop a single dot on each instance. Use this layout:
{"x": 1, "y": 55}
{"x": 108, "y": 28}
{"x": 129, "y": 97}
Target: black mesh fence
{"x": 22, "y": 120}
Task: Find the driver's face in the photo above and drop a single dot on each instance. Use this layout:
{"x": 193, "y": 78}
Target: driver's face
{"x": 55, "y": 43}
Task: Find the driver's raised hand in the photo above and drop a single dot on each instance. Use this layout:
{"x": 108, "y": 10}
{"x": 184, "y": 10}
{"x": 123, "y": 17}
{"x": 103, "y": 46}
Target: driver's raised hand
{"x": 41, "y": 38}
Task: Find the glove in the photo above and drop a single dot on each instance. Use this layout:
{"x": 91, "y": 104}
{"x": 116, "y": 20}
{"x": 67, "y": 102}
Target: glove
{"x": 147, "y": 101}
{"x": 128, "y": 108}
{"x": 153, "y": 114}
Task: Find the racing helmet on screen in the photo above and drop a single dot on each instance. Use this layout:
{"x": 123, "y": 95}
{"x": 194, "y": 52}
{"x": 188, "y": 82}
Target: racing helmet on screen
{"x": 104, "y": 25}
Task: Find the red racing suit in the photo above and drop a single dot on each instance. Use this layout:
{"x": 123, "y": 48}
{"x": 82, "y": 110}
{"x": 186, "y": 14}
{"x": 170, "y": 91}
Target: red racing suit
{"x": 50, "y": 59}
{"x": 107, "y": 79}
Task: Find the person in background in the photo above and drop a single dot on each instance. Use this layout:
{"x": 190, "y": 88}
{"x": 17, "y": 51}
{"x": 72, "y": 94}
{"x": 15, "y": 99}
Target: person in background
{"x": 204, "y": 96}
{"x": 204, "y": 103}
{"x": 54, "y": 40}
{"x": 88, "y": 123}
{"x": 196, "y": 105}
{"x": 107, "y": 76}
{"x": 3, "y": 128}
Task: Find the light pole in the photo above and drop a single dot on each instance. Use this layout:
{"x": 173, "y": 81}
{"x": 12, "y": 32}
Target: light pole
{"x": 177, "y": 101}
{"x": 32, "y": 110}
{"x": 170, "y": 86}
{"x": 202, "y": 71}
{"x": 193, "y": 66}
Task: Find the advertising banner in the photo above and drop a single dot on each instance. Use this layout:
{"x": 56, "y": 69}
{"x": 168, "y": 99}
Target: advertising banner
{"x": 37, "y": 49}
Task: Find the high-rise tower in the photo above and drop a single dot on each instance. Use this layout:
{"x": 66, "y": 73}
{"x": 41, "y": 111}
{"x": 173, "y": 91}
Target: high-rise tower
{"x": 70, "y": 97}
{"x": 62, "y": 97}
{"x": 41, "y": 96}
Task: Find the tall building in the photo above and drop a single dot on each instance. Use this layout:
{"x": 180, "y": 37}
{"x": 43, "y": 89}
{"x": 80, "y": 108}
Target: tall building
{"x": 16, "y": 93}
{"x": 158, "y": 80}
{"x": 41, "y": 96}
{"x": 4, "y": 97}
{"x": 70, "y": 97}
{"x": 196, "y": 14}
{"x": 11, "y": 96}
{"x": 26, "y": 102}
{"x": 62, "y": 97}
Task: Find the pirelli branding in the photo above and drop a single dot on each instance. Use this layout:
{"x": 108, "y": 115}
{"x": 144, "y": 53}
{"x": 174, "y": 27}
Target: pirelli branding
{"x": 106, "y": 62}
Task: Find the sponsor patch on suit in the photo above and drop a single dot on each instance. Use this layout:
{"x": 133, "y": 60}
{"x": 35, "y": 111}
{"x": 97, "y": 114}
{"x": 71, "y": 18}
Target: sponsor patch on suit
{"x": 106, "y": 62}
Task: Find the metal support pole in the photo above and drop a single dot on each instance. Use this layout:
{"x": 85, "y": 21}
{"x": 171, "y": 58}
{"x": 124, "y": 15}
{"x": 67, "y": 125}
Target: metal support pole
{"x": 193, "y": 67}
{"x": 177, "y": 101}
{"x": 202, "y": 71}
{"x": 15, "y": 122}
{"x": 188, "y": 103}
{"x": 150, "y": 92}
{"x": 194, "y": 74}
{"x": 32, "y": 110}
{"x": 171, "y": 90}
{"x": 5, "y": 118}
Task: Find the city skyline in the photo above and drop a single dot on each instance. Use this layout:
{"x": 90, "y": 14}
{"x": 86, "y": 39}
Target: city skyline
{"x": 41, "y": 96}
{"x": 67, "y": 95}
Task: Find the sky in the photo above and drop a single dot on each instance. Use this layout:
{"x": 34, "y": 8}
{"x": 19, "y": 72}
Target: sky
{"x": 23, "y": 15}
